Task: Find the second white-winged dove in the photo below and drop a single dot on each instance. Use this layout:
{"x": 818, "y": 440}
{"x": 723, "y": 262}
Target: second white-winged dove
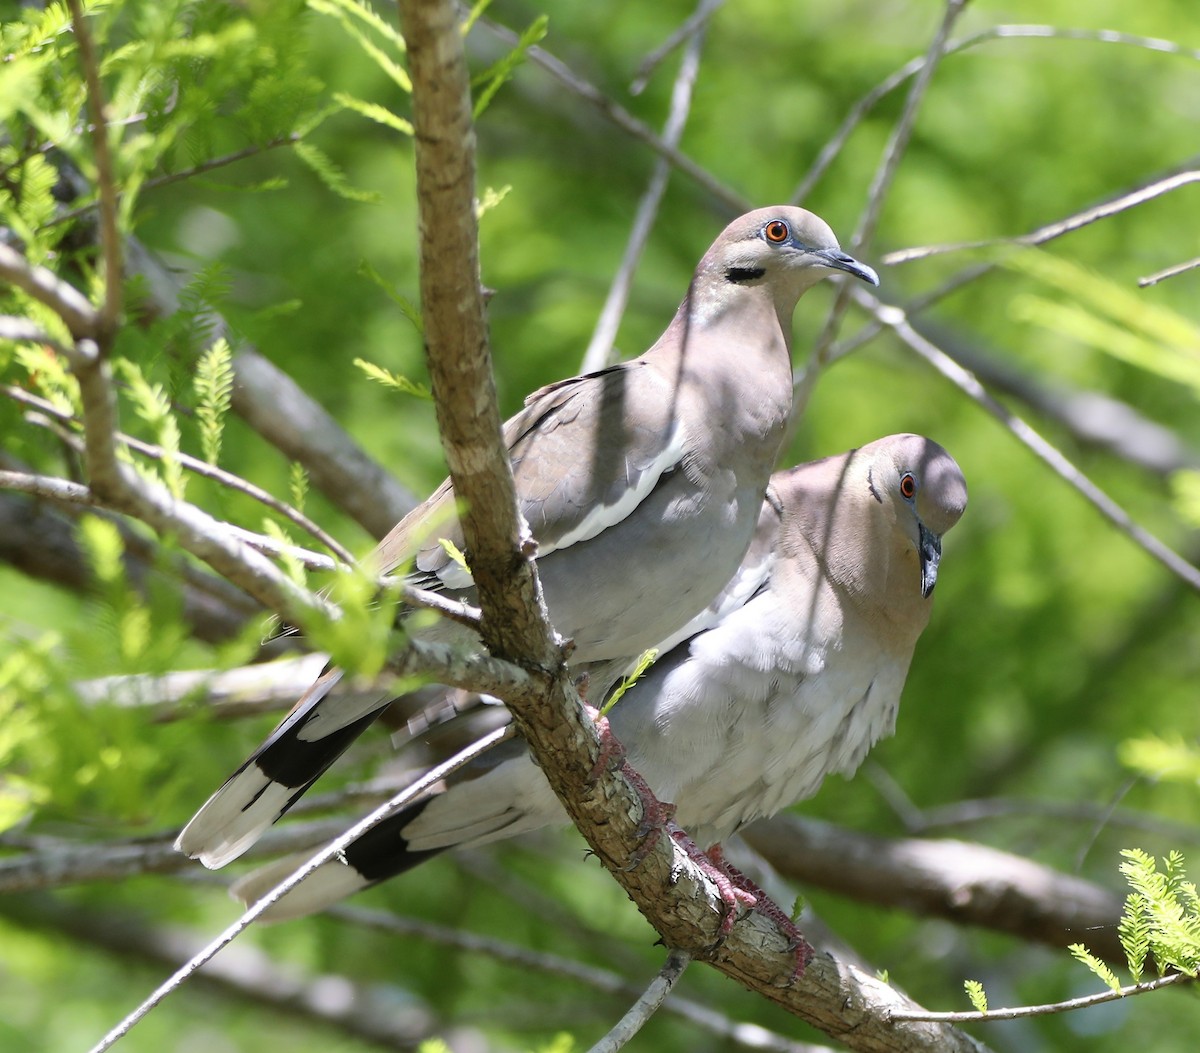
{"x": 641, "y": 485}
{"x": 791, "y": 674}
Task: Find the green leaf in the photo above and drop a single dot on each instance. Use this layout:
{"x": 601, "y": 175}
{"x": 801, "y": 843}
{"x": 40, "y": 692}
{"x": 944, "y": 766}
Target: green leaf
{"x": 454, "y": 552}
{"x": 348, "y": 13}
{"x": 375, "y": 112}
{"x": 977, "y": 995}
{"x": 1169, "y": 759}
{"x": 298, "y": 485}
{"x": 644, "y": 662}
{"x": 407, "y": 307}
{"x": 1101, "y": 969}
{"x": 393, "y": 380}
{"x": 490, "y": 199}
{"x": 214, "y": 395}
{"x": 331, "y": 175}
{"x": 501, "y": 71}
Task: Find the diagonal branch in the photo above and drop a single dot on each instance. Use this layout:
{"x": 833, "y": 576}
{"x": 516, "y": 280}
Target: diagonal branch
{"x": 599, "y": 350}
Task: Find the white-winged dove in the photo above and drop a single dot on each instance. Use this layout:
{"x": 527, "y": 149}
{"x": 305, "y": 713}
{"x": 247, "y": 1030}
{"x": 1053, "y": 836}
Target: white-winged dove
{"x": 641, "y": 484}
{"x": 791, "y": 674}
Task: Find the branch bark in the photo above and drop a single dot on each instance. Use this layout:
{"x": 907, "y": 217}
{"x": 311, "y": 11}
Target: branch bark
{"x": 964, "y": 882}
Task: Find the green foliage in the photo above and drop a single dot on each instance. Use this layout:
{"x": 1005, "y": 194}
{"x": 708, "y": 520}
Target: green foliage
{"x": 1162, "y": 757}
{"x": 454, "y": 552}
{"x": 644, "y": 662}
{"x": 977, "y": 995}
{"x": 1106, "y": 316}
{"x": 394, "y": 381}
{"x": 298, "y": 485}
{"x": 1162, "y": 914}
{"x": 1097, "y": 965}
{"x": 214, "y": 395}
{"x": 494, "y": 78}
{"x": 151, "y": 404}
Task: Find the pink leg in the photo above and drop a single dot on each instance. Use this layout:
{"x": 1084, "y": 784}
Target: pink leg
{"x": 768, "y": 908}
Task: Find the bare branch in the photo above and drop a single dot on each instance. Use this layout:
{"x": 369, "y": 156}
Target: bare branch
{"x": 961, "y": 813}
{"x": 76, "y": 311}
{"x": 1169, "y": 272}
{"x": 863, "y": 106}
{"x": 25, "y": 331}
{"x": 678, "y": 899}
{"x": 1052, "y": 1008}
{"x": 599, "y": 350}
{"x": 248, "y": 974}
{"x": 1093, "y": 418}
{"x": 741, "y": 1033}
{"x": 326, "y": 855}
{"x": 275, "y": 406}
{"x": 1057, "y": 229}
{"x": 622, "y": 118}
{"x": 41, "y": 543}
{"x": 106, "y": 182}
{"x": 646, "y": 1006}
{"x": 186, "y": 173}
{"x": 896, "y": 319}
{"x": 695, "y": 25}
{"x": 964, "y": 882}
{"x": 881, "y": 184}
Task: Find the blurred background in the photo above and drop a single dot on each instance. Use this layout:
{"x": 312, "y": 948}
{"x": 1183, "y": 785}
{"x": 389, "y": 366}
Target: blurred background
{"x": 1052, "y": 707}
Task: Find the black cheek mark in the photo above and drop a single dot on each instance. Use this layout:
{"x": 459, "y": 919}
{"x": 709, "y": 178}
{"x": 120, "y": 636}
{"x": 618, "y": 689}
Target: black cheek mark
{"x": 737, "y": 275}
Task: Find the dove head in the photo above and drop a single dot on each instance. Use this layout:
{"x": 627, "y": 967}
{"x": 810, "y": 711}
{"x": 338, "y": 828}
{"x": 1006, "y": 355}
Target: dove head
{"x": 920, "y": 490}
{"x": 782, "y": 249}
{"x": 874, "y": 520}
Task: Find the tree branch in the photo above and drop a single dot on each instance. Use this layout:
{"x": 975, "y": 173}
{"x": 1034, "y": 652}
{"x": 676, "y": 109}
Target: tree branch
{"x": 964, "y": 882}
{"x": 400, "y": 1022}
{"x": 599, "y": 349}
{"x": 648, "y": 1003}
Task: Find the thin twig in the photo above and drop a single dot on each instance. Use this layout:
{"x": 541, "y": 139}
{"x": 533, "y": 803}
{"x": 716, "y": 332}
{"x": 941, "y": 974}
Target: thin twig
{"x": 864, "y": 105}
{"x": 646, "y": 1006}
{"x": 1045, "y": 1010}
{"x": 326, "y": 855}
{"x": 386, "y": 1016}
{"x": 26, "y": 331}
{"x": 621, "y": 117}
{"x": 1126, "y": 200}
{"x": 187, "y": 173}
{"x": 748, "y": 1035}
{"x": 695, "y": 24}
{"x": 895, "y": 319}
{"x": 984, "y": 810}
{"x": 197, "y": 467}
{"x": 1059, "y": 228}
{"x": 1169, "y": 272}
{"x": 599, "y": 350}
{"x": 106, "y": 183}
{"x": 881, "y": 184}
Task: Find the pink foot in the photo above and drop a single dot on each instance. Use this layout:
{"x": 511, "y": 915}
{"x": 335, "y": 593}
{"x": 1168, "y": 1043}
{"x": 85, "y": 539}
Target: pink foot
{"x": 768, "y": 908}
{"x": 732, "y": 895}
{"x": 656, "y": 814}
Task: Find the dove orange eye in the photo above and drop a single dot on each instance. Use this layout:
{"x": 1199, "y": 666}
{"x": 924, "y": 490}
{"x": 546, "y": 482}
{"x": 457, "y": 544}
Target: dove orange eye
{"x": 908, "y": 485}
{"x": 776, "y": 231}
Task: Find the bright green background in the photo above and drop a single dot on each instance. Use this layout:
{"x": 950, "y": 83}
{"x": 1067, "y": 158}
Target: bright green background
{"x": 1054, "y": 639}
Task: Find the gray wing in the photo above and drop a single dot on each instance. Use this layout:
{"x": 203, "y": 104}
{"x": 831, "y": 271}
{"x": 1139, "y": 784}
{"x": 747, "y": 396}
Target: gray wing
{"x": 585, "y": 453}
